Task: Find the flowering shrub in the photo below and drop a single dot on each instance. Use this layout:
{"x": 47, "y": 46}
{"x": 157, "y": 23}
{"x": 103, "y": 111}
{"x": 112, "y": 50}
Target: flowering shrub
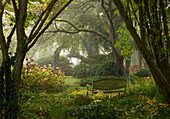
{"x": 36, "y": 78}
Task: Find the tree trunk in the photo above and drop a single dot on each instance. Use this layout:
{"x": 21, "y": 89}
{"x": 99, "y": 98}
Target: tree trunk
{"x": 158, "y": 62}
{"x": 127, "y": 66}
{"x": 56, "y": 59}
{"x": 119, "y": 64}
{"x": 140, "y": 60}
{"x": 56, "y": 56}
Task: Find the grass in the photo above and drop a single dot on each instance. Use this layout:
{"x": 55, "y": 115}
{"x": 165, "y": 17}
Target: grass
{"x": 71, "y": 81}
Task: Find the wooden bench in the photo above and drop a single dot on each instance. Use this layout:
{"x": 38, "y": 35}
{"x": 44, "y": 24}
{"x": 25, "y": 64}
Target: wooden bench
{"x": 108, "y": 85}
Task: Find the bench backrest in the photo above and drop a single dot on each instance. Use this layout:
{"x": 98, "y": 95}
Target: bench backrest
{"x": 109, "y": 84}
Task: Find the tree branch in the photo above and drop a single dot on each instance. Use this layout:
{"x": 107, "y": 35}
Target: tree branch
{"x": 47, "y": 11}
{"x": 77, "y": 30}
{"x": 10, "y": 36}
{"x": 48, "y": 24}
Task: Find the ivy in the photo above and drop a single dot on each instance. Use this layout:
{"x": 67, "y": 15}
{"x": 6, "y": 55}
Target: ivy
{"x": 125, "y": 43}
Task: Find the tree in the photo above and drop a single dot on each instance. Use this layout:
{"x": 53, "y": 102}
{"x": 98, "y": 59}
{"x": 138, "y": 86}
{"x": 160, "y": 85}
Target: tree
{"x": 10, "y": 79}
{"x": 150, "y": 18}
{"x": 109, "y": 28}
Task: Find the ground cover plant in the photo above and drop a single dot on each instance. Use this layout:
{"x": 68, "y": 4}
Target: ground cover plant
{"x": 142, "y": 101}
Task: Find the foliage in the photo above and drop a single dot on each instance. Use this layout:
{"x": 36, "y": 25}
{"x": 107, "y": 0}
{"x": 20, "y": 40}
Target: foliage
{"x": 143, "y": 73}
{"x": 36, "y": 78}
{"x": 107, "y": 68}
{"x": 88, "y": 80}
{"x": 95, "y": 59}
{"x": 83, "y": 100}
{"x": 93, "y": 69}
{"x": 44, "y": 61}
{"x": 97, "y": 111}
{"x": 148, "y": 25}
{"x": 125, "y": 43}
{"x": 132, "y": 105}
{"x": 81, "y": 71}
{"x": 63, "y": 61}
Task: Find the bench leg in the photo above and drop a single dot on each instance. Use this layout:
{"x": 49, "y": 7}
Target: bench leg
{"x": 119, "y": 95}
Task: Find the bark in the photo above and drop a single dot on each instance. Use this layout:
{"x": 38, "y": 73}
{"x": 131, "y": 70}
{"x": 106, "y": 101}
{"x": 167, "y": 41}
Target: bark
{"x": 112, "y": 36}
{"x": 139, "y": 60}
{"x": 127, "y": 66}
{"x": 11, "y": 83}
{"x": 56, "y": 56}
{"x": 159, "y": 69}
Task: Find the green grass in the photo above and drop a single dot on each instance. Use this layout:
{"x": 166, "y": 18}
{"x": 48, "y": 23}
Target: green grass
{"x": 71, "y": 80}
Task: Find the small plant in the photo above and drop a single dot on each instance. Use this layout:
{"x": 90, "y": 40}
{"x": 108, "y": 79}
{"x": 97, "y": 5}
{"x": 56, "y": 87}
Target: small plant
{"x": 143, "y": 73}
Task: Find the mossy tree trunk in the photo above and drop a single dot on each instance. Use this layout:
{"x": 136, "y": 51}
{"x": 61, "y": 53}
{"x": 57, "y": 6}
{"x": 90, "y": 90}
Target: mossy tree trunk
{"x": 153, "y": 41}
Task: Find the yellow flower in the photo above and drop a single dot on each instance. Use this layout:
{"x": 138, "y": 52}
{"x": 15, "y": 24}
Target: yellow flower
{"x": 155, "y": 113}
{"x": 40, "y": 108}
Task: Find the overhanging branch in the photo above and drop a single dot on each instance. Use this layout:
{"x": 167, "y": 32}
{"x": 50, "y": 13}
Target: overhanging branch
{"x": 47, "y": 25}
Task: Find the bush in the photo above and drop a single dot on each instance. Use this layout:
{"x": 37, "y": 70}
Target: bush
{"x": 36, "y": 78}
{"x": 107, "y": 68}
{"x": 93, "y": 69}
{"x": 63, "y": 61}
{"x": 143, "y": 73}
{"x": 95, "y": 59}
{"x": 81, "y": 71}
{"x": 44, "y": 61}
{"x": 88, "y": 80}
{"x": 97, "y": 111}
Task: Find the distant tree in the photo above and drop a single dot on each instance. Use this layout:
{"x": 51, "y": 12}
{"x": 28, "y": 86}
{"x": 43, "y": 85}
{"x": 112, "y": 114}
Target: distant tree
{"x": 106, "y": 30}
{"x": 19, "y": 15}
{"x": 150, "y": 18}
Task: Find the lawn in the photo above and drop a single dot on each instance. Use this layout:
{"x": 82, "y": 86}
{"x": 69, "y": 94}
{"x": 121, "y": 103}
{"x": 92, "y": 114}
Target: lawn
{"x": 138, "y": 103}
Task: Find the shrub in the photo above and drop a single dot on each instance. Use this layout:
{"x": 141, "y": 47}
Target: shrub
{"x": 95, "y": 59}
{"x": 88, "y": 80}
{"x": 36, "y": 78}
{"x": 44, "y": 61}
{"x": 143, "y": 73}
{"x": 81, "y": 71}
{"x": 107, "y": 68}
{"x": 97, "y": 111}
{"x": 63, "y": 61}
{"x": 93, "y": 69}
{"x": 83, "y": 100}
